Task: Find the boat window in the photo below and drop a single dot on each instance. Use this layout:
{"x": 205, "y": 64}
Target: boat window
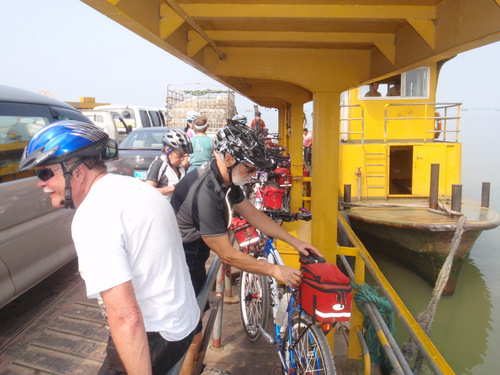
{"x": 414, "y": 84}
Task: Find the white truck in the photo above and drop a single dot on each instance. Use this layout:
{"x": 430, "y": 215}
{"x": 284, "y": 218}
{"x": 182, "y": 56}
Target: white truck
{"x": 109, "y": 121}
{"x": 122, "y": 119}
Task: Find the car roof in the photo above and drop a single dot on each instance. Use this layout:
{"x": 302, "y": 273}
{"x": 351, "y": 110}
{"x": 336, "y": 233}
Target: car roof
{"x": 151, "y": 129}
{"x": 16, "y": 95}
{"x": 125, "y": 106}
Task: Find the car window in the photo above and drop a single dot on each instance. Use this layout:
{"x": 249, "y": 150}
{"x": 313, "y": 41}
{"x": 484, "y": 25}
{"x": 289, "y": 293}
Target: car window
{"x": 145, "y": 119}
{"x": 155, "y": 118}
{"x": 18, "y": 123}
{"x": 143, "y": 140}
{"x": 68, "y": 114}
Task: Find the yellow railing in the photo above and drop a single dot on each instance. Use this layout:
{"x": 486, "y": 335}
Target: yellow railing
{"x": 438, "y": 121}
{"x": 363, "y": 261}
{"x": 437, "y": 113}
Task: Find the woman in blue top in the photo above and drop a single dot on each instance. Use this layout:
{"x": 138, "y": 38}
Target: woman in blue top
{"x": 202, "y": 144}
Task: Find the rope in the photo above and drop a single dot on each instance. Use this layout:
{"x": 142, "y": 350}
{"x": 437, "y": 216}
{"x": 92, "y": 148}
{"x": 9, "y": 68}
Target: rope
{"x": 426, "y": 318}
{"x": 364, "y": 294}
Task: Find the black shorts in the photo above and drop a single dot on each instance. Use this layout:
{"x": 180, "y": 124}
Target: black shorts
{"x": 164, "y": 354}
{"x": 197, "y": 253}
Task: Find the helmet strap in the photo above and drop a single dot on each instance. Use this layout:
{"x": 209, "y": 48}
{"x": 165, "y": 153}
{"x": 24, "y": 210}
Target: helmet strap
{"x": 68, "y": 174}
{"x": 230, "y": 169}
{"x": 168, "y": 156}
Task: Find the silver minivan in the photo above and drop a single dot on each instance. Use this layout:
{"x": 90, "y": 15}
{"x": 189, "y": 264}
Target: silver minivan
{"x": 35, "y": 238}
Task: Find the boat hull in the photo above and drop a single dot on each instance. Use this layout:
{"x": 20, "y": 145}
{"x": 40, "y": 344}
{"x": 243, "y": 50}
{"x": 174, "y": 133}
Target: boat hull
{"x": 424, "y": 252}
{"x": 419, "y": 239}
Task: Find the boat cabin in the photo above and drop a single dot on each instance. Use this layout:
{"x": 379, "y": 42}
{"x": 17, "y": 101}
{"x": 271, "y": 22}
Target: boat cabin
{"x": 389, "y": 141}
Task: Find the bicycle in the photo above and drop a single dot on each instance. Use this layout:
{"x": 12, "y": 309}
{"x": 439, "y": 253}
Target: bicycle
{"x": 300, "y": 342}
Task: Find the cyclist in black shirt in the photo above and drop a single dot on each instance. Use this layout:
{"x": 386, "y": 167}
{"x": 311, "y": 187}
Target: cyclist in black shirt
{"x": 203, "y": 201}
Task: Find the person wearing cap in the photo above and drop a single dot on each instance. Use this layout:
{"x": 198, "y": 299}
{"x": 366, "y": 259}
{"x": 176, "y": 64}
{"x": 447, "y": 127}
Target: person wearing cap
{"x": 203, "y": 201}
{"x": 128, "y": 245}
{"x": 166, "y": 170}
{"x": 258, "y": 124}
{"x": 202, "y": 144}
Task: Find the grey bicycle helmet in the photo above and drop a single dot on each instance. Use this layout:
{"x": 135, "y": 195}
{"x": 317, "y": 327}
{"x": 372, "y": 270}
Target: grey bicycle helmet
{"x": 178, "y": 140}
{"x": 243, "y": 143}
{"x": 241, "y": 119}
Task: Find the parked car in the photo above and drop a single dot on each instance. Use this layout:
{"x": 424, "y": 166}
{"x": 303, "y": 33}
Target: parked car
{"x": 35, "y": 238}
{"x": 141, "y": 147}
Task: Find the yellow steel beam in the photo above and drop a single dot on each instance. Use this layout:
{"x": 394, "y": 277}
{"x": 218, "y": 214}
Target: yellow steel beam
{"x": 170, "y": 21}
{"x": 355, "y": 12}
{"x": 313, "y": 69}
{"x": 301, "y": 36}
{"x": 426, "y": 29}
{"x": 389, "y": 51}
{"x": 195, "y": 43}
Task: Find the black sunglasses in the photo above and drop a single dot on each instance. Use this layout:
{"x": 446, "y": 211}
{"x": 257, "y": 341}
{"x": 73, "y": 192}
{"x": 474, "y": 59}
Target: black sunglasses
{"x": 46, "y": 173}
{"x": 250, "y": 170}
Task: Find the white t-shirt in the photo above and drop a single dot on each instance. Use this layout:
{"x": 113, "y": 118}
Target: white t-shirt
{"x": 125, "y": 230}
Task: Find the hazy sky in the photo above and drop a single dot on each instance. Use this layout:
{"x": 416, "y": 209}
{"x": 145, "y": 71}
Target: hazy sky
{"x": 71, "y": 50}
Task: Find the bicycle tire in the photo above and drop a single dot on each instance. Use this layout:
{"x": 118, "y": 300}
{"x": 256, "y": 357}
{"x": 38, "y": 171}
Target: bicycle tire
{"x": 312, "y": 353}
{"x": 254, "y": 303}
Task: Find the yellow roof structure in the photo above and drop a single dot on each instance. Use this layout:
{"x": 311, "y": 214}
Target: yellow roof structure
{"x": 284, "y": 53}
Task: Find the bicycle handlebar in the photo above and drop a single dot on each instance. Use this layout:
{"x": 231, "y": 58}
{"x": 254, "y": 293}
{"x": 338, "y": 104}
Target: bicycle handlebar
{"x": 311, "y": 258}
{"x": 288, "y": 216}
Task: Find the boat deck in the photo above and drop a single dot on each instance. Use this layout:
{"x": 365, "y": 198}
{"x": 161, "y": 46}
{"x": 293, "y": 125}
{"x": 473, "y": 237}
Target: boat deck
{"x": 243, "y": 357}
{"x": 55, "y": 329}
{"x": 478, "y": 218}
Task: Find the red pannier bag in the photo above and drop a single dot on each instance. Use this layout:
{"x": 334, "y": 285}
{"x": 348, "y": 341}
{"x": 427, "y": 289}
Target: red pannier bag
{"x": 285, "y": 179}
{"x": 272, "y": 198}
{"x": 325, "y": 293}
{"x": 244, "y": 232}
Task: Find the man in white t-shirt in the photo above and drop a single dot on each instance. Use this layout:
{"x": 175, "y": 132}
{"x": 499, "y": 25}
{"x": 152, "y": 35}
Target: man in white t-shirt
{"x": 129, "y": 248}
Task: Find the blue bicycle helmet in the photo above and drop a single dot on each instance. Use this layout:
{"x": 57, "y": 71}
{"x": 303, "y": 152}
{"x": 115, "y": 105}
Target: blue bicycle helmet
{"x": 61, "y": 142}
{"x": 243, "y": 143}
{"x": 241, "y": 119}
{"x": 192, "y": 115}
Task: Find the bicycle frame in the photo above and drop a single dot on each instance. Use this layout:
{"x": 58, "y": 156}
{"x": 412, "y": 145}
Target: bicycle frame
{"x": 288, "y": 363}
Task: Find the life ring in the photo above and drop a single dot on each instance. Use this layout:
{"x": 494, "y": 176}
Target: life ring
{"x": 437, "y": 126}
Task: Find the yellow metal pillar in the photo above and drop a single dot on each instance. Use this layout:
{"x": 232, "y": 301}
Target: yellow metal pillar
{"x": 295, "y": 149}
{"x": 282, "y": 126}
{"x": 325, "y": 161}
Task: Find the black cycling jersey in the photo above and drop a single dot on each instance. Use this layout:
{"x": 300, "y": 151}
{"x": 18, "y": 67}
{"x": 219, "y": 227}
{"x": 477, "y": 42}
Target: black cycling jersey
{"x": 201, "y": 205}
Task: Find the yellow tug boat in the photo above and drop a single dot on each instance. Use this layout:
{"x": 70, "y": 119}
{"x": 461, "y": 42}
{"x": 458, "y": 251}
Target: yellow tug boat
{"x": 400, "y": 172}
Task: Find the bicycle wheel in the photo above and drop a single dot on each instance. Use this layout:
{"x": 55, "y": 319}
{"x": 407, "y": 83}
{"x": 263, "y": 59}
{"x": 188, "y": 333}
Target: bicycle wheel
{"x": 254, "y": 303}
{"x": 309, "y": 352}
